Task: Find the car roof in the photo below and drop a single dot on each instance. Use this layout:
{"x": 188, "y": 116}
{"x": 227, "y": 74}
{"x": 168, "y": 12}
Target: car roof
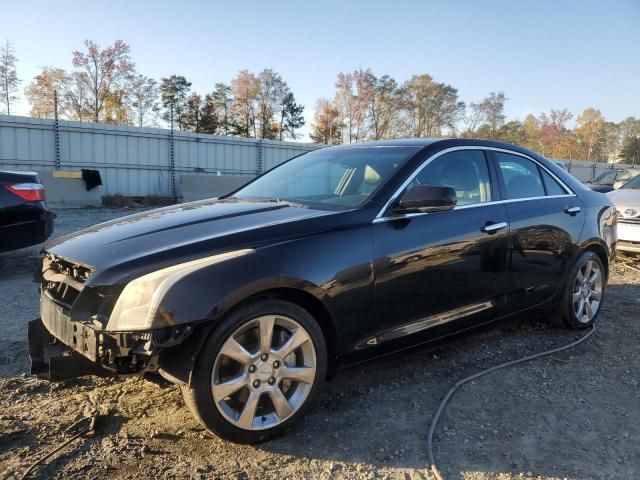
{"x": 18, "y": 172}
{"x": 425, "y": 142}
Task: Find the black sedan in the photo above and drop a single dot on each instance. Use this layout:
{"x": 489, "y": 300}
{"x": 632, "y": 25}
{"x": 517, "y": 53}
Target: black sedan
{"x": 342, "y": 254}
{"x": 606, "y": 181}
{"x": 25, "y": 219}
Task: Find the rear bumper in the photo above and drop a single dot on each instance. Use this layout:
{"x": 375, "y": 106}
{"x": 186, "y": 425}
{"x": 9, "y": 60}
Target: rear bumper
{"x": 32, "y": 227}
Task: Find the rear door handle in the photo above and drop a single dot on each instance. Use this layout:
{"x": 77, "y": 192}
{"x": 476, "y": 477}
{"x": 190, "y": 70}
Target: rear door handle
{"x": 494, "y": 227}
{"x": 573, "y": 210}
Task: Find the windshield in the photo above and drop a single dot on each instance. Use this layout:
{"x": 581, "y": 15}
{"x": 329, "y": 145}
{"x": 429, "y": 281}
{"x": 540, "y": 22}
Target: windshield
{"x": 329, "y": 178}
{"x": 605, "y": 178}
{"x": 634, "y": 183}
{"x": 626, "y": 175}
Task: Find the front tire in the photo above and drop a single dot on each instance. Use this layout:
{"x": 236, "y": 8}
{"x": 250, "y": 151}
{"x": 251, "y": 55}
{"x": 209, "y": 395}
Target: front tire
{"x": 583, "y": 295}
{"x": 258, "y": 371}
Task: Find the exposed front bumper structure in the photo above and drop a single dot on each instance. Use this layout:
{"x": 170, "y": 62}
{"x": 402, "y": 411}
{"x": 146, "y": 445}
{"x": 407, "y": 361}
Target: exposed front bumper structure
{"x": 54, "y": 361}
{"x": 61, "y": 348}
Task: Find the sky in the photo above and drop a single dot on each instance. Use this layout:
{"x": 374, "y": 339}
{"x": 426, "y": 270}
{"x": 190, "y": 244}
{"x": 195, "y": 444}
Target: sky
{"x": 543, "y": 54}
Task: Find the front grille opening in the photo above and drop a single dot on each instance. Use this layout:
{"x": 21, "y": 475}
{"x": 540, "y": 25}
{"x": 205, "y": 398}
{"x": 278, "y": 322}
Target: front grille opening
{"x": 63, "y": 280}
{"x": 624, "y": 219}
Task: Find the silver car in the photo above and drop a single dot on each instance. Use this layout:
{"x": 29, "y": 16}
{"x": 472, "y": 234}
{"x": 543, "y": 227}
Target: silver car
{"x": 627, "y": 202}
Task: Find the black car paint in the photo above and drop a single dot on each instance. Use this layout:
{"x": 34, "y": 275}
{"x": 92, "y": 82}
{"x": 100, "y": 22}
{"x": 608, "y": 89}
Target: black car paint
{"x": 22, "y": 223}
{"x": 596, "y": 187}
{"x": 375, "y": 286}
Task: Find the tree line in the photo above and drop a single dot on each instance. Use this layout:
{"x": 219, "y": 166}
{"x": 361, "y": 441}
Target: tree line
{"x": 104, "y": 87}
{"x": 365, "y": 106}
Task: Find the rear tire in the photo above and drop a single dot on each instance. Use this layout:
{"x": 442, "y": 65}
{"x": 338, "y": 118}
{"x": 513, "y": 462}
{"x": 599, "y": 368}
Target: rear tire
{"x": 584, "y": 292}
{"x": 258, "y": 371}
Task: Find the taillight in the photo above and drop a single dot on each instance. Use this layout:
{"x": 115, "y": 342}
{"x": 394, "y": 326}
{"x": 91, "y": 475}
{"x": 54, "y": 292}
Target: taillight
{"x": 31, "y": 192}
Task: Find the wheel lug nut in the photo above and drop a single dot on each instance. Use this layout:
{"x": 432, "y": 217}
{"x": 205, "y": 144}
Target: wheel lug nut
{"x": 252, "y": 368}
{"x": 272, "y": 381}
{"x": 276, "y": 364}
{"x": 264, "y": 357}
{"x": 256, "y": 383}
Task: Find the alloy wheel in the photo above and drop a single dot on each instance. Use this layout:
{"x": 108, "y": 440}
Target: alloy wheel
{"x": 264, "y": 372}
{"x": 587, "y": 291}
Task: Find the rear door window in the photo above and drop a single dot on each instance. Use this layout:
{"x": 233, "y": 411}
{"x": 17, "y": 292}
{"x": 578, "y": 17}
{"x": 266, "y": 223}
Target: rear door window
{"x": 551, "y": 184}
{"x": 521, "y": 176}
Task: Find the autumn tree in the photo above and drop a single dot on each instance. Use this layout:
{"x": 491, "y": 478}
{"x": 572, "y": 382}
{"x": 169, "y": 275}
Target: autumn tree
{"x": 208, "y": 116}
{"x": 590, "y": 132}
{"x": 115, "y": 110}
{"x": 354, "y": 92}
{"x": 244, "y": 88}
{"x": 490, "y": 113}
{"x": 270, "y": 93}
{"x": 530, "y": 129}
{"x": 611, "y": 141}
{"x": 221, "y": 102}
{"x": 385, "y": 106}
{"x": 40, "y": 92}
{"x": 326, "y": 126}
{"x": 173, "y": 95}
{"x": 143, "y": 95}
{"x": 630, "y": 140}
{"x": 73, "y": 100}
{"x": 512, "y": 132}
{"x": 345, "y": 104}
{"x": 191, "y": 119}
{"x": 554, "y": 137}
{"x": 8, "y": 76}
{"x": 102, "y": 72}
{"x": 473, "y": 118}
{"x": 431, "y": 107}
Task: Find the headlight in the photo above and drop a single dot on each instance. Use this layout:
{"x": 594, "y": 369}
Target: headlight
{"x": 138, "y": 303}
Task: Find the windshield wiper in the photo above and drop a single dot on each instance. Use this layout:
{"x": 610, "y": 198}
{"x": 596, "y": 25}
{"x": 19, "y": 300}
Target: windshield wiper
{"x": 267, "y": 200}
{"x": 286, "y": 202}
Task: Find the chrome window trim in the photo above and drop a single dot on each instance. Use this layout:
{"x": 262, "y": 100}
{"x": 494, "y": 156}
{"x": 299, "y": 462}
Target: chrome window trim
{"x": 380, "y": 216}
{"x": 462, "y": 207}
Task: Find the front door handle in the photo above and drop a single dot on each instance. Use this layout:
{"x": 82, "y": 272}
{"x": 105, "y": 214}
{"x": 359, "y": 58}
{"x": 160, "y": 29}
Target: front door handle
{"x": 491, "y": 228}
{"x": 573, "y": 210}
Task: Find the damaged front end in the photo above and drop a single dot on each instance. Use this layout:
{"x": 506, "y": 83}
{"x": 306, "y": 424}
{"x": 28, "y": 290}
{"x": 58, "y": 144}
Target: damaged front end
{"x": 70, "y": 338}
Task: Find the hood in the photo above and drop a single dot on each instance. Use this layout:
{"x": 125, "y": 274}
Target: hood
{"x": 127, "y": 247}
{"x": 625, "y": 197}
{"x": 600, "y": 188}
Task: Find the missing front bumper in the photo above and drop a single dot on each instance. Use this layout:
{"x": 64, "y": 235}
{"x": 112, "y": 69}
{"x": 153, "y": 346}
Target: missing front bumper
{"x": 54, "y": 361}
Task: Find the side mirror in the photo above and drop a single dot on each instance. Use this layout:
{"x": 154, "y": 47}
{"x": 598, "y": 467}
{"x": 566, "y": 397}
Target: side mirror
{"x": 427, "y": 198}
{"x": 618, "y": 184}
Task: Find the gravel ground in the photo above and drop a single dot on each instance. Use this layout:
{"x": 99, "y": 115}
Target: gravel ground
{"x": 574, "y": 415}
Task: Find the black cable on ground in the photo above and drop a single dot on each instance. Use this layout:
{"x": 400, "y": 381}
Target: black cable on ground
{"x": 450, "y": 393}
{"x": 91, "y": 423}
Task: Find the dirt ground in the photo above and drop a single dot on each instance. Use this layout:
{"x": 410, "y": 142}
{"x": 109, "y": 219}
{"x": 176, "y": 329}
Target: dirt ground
{"x": 575, "y": 415}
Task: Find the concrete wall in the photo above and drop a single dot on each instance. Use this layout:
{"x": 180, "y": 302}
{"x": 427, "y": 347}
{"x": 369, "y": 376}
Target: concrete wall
{"x": 68, "y": 192}
{"x": 135, "y": 161}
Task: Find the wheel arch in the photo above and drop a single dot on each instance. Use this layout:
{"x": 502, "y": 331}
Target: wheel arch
{"x": 311, "y": 303}
{"x": 176, "y": 363}
{"x": 601, "y": 251}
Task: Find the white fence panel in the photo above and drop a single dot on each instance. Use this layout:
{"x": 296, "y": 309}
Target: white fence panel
{"x": 135, "y": 161}
{"x": 585, "y": 170}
